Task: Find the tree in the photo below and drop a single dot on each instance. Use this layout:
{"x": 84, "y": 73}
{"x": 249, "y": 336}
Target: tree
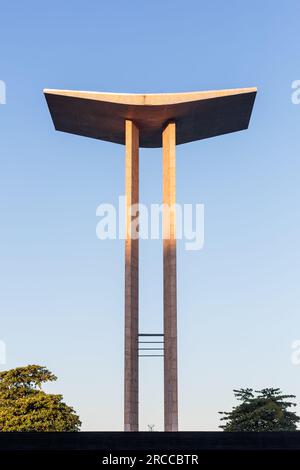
{"x": 24, "y": 406}
{"x": 260, "y": 410}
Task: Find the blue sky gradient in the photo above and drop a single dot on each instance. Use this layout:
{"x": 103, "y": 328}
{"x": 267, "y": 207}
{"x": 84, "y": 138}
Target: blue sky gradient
{"x": 61, "y": 299}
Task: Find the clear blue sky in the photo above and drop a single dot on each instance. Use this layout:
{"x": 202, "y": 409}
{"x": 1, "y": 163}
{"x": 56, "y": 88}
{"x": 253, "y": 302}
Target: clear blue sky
{"x": 61, "y": 298}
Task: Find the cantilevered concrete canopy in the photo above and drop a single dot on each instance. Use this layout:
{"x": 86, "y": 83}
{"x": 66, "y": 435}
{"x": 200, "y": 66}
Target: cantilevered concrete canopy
{"x": 198, "y": 115}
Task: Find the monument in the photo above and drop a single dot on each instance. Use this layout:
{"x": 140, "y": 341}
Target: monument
{"x": 151, "y": 120}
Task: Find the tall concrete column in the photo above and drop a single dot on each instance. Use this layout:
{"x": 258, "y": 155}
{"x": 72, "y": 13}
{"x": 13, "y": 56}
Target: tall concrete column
{"x": 131, "y": 280}
{"x": 170, "y": 280}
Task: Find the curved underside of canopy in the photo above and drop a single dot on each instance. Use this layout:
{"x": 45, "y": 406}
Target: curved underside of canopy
{"x": 198, "y": 115}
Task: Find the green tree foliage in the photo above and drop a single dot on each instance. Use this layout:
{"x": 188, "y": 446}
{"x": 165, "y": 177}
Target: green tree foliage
{"x": 260, "y": 410}
{"x": 24, "y": 406}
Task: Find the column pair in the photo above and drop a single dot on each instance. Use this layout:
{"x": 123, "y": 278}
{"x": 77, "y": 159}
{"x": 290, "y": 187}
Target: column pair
{"x": 132, "y": 279}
